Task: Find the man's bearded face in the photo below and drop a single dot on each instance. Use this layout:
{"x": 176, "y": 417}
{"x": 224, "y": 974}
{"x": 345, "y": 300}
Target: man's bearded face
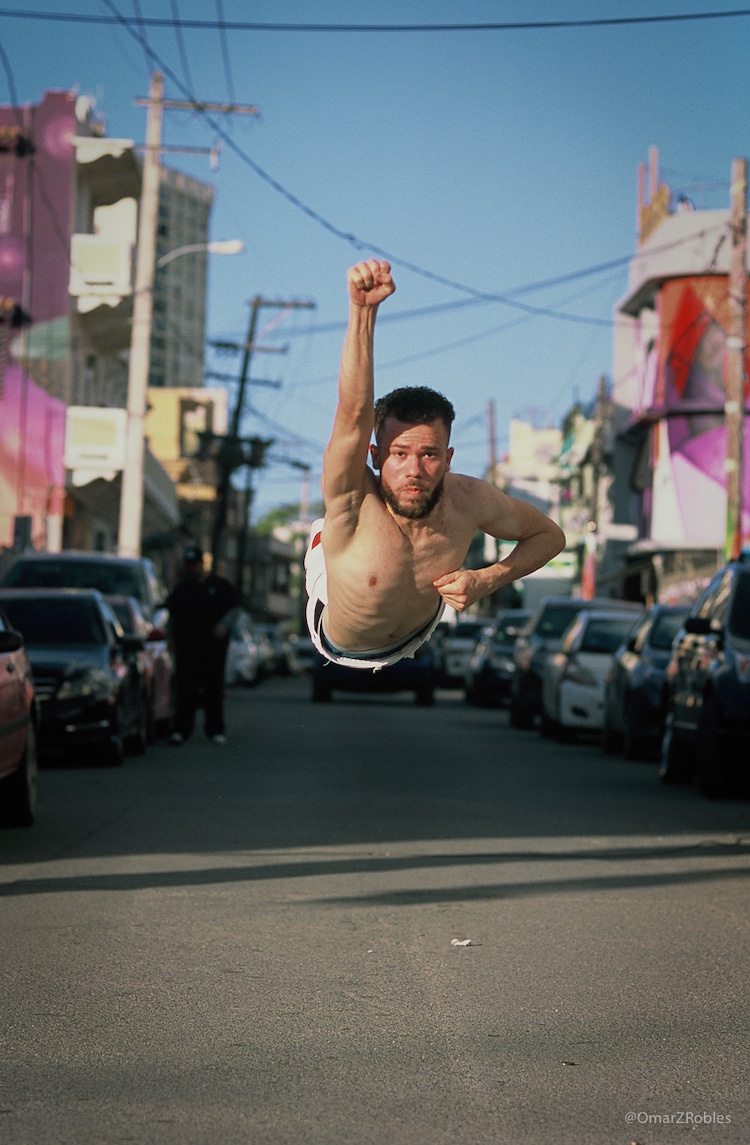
{"x": 413, "y": 461}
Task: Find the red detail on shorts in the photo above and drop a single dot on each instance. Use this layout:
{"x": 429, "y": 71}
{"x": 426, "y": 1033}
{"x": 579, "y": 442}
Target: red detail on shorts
{"x": 316, "y": 540}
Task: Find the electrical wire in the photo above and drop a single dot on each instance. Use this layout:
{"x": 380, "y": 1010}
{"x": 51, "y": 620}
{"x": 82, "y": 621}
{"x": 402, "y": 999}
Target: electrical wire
{"x": 351, "y": 239}
{"x": 504, "y": 26}
{"x": 225, "y": 50}
{"x": 181, "y": 43}
{"x": 139, "y": 18}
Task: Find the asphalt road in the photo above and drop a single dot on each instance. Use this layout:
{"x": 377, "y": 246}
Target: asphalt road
{"x": 372, "y": 923}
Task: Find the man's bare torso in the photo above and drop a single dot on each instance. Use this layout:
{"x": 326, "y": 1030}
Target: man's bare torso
{"x": 381, "y": 568}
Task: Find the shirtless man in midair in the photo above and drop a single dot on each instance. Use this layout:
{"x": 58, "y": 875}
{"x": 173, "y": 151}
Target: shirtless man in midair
{"x": 387, "y": 557}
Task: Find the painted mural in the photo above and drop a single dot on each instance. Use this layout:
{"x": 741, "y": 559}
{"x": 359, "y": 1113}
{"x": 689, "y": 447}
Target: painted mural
{"x": 32, "y": 441}
{"x": 689, "y": 438}
{"x": 37, "y": 166}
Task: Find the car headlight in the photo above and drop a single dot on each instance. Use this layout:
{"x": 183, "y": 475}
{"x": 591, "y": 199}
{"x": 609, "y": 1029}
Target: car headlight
{"x": 502, "y": 663}
{"x": 94, "y": 683}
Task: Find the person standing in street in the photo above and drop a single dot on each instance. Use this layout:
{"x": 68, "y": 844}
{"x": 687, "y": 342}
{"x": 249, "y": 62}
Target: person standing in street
{"x": 202, "y": 607}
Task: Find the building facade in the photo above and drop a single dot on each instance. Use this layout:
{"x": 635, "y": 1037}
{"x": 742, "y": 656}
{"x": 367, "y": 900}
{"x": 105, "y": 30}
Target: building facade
{"x": 669, "y": 394}
{"x": 68, "y": 229}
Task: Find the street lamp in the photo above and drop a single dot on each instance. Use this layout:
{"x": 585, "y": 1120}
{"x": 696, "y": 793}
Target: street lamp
{"x": 221, "y": 246}
{"x": 131, "y": 492}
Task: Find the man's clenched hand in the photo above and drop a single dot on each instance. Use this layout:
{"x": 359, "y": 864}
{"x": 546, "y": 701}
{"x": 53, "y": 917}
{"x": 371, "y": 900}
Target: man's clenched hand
{"x": 370, "y": 282}
{"x": 462, "y": 588}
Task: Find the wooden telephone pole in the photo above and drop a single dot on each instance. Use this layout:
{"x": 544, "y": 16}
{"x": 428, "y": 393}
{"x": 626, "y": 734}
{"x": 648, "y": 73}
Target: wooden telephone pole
{"x": 131, "y": 495}
{"x": 226, "y": 456}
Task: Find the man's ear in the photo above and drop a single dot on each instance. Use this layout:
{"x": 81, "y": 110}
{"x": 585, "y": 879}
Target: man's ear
{"x": 375, "y": 457}
{"x": 450, "y": 457}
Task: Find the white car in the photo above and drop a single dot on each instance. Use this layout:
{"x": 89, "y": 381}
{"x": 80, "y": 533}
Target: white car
{"x": 458, "y": 644}
{"x": 574, "y": 679}
{"x": 244, "y": 664}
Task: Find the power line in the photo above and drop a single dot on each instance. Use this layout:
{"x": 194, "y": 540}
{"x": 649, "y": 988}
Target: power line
{"x": 351, "y": 239}
{"x": 181, "y": 42}
{"x": 504, "y": 26}
{"x": 225, "y": 49}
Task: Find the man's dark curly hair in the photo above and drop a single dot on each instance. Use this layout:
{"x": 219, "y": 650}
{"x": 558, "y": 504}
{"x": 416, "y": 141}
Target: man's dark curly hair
{"x": 414, "y": 405}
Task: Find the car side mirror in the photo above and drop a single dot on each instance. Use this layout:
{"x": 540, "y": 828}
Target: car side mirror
{"x": 131, "y": 644}
{"x": 698, "y": 626}
{"x": 10, "y": 641}
{"x": 160, "y": 618}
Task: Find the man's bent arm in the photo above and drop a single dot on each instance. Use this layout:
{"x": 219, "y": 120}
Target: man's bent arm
{"x": 346, "y": 456}
{"x": 538, "y": 538}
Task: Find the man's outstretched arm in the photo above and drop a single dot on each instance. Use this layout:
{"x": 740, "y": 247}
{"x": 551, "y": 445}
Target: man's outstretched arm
{"x": 345, "y": 458}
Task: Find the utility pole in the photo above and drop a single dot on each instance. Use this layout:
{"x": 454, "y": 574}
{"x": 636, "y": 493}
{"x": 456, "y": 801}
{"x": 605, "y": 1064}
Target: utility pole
{"x": 734, "y": 405}
{"x": 131, "y": 495}
{"x": 229, "y": 452}
{"x": 492, "y": 442}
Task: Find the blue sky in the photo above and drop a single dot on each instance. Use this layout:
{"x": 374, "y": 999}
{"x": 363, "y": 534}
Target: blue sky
{"x": 495, "y": 159}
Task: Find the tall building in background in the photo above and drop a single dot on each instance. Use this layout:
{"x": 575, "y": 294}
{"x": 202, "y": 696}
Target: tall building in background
{"x": 178, "y": 334}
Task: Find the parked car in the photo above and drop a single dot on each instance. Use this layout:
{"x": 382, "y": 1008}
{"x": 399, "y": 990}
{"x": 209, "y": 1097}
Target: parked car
{"x": 707, "y": 689}
{"x": 573, "y": 679}
{"x": 281, "y": 658}
{"x": 633, "y": 704}
{"x": 266, "y": 650}
{"x": 86, "y": 674}
{"x": 157, "y": 664}
{"x": 489, "y": 673}
{"x": 416, "y": 674}
{"x": 18, "y": 724}
{"x": 111, "y": 575}
{"x": 458, "y": 643}
{"x": 244, "y": 663}
{"x": 541, "y": 638}
{"x": 305, "y": 656}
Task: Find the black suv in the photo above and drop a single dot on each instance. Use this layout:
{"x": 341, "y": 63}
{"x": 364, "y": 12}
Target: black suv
{"x": 109, "y": 574}
{"x": 707, "y": 689}
{"x": 542, "y": 637}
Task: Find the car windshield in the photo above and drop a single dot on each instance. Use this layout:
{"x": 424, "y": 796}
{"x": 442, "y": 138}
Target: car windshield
{"x": 665, "y": 628}
{"x": 111, "y": 579}
{"x": 56, "y": 621}
{"x": 509, "y": 627}
{"x": 467, "y": 630}
{"x": 131, "y": 622}
{"x": 605, "y": 635}
{"x": 739, "y": 623}
{"x": 555, "y": 619}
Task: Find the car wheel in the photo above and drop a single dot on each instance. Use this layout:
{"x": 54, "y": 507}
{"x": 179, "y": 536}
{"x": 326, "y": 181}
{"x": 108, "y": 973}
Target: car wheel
{"x": 677, "y": 765}
{"x": 563, "y": 733}
{"x": 520, "y": 714}
{"x": 611, "y": 739}
{"x": 138, "y": 739}
{"x": 322, "y": 692}
{"x": 632, "y": 742}
{"x": 547, "y": 726}
{"x": 18, "y": 793}
{"x": 151, "y": 724}
{"x": 113, "y": 750}
{"x": 715, "y": 759}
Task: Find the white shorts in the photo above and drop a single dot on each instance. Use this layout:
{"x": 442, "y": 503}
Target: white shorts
{"x": 317, "y": 599}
